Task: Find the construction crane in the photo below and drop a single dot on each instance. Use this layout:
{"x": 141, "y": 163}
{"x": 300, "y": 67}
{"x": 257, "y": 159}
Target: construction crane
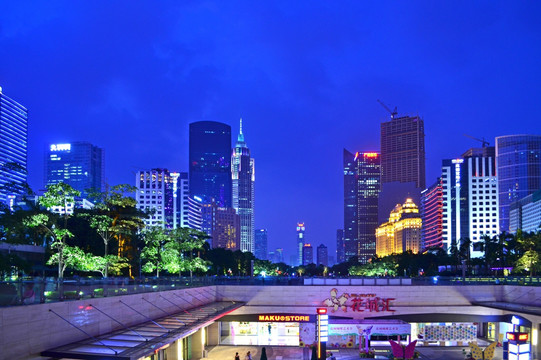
{"x": 393, "y": 112}
{"x": 482, "y": 141}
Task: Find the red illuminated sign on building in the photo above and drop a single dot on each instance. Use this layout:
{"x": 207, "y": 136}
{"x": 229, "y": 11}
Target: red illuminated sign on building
{"x": 358, "y": 302}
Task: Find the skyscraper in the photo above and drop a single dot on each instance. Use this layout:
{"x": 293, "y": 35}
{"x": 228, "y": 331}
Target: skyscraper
{"x": 340, "y": 251}
{"x": 243, "y": 180}
{"x": 260, "y": 241}
{"x": 518, "y": 158}
{"x": 403, "y": 150}
{"x": 156, "y": 193}
{"x": 225, "y": 229}
{"x": 13, "y": 147}
{"x": 362, "y": 181}
{"x": 307, "y": 254}
{"x": 470, "y": 199}
{"x": 181, "y": 195}
{"x": 79, "y": 164}
{"x": 322, "y": 255}
{"x": 300, "y": 242}
{"x": 210, "y": 162}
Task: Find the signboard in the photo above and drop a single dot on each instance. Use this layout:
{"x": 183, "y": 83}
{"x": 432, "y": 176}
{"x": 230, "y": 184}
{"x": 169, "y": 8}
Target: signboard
{"x": 372, "y": 329}
{"x": 358, "y": 302}
{"x": 283, "y": 318}
{"x": 60, "y": 147}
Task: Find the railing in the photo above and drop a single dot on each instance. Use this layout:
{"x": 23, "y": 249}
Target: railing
{"x": 38, "y": 290}
{"x": 35, "y": 290}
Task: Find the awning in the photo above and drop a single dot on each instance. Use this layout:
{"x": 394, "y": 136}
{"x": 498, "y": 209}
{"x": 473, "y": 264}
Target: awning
{"x": 144, "y": 339}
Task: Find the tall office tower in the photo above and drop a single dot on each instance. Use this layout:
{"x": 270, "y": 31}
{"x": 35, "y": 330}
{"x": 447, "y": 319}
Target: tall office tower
{"x": 210, "y": 157}
{"x": 300, "y": 242}
{"x": 225, "y": 230}
{"x": 402, "y": 232}
{"x": 155, "y": 194}
{"x": 470, "y": 199}
{"x": 307, "y": 254}
{"x": 279, "y": 255}
{"x": 432, "y": 216}
{"x": 79, "y": 164}
{"x": 243, "y": 181}
{"x": 181, "y": 194}
{"x": 518, "y": 158}
{"x": 13, "y": 148}
{"x": 260, "y": 248}
{"x": 362, "y": 181}
{"x": 322, "y": 255}
{"x": 403, "y": 150}
{"x": 340, "y": 250}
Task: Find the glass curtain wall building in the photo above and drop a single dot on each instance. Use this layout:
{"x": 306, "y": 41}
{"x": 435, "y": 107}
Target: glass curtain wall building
{"x": 79, "y": 164}
{"x": 362, "y": 185}
{"x": 518, "y": 159}
{"x": 210, "y": 162}
{"x": 260, "y": 250}
{"x": 13, "y": 148}
{"x": 243, "y": 181}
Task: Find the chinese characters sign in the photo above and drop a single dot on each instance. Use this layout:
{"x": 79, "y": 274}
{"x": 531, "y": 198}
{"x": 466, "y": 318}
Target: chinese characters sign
{"x": 358, "y": 302}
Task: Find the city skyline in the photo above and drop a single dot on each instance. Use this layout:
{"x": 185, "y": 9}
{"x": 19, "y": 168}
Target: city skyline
{"x": 305, "y": 89}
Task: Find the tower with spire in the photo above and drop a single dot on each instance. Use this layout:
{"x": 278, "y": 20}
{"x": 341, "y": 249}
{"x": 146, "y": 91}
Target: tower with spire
{"x": 243, "y": 180}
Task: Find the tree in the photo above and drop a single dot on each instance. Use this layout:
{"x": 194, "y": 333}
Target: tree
{"x": 70, "y": 256}
{"x": 154, "y": 252}
{"x": 179, "y": 251}
{"x": 59, "y": 195}
{"x": 115, "y": 214}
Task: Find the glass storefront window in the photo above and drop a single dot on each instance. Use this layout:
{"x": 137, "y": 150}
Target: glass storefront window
{"x": 260, "y": 333}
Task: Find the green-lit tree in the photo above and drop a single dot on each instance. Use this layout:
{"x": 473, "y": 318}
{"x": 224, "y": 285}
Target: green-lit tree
{"x": 155, "y": 253}
{"x": 60, "y": 196}
{"x": 182, "y": 252}
{"x": 69, "y": 257}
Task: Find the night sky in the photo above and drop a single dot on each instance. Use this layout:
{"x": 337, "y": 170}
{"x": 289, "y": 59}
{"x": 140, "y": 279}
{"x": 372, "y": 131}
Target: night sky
{"x": 129, "y": 76}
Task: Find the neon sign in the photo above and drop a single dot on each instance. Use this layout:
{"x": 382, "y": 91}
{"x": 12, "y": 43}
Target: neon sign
{"x": 284, "y": 318}
{"x": 358, "y": 302}
{"x": 61, "y": 147}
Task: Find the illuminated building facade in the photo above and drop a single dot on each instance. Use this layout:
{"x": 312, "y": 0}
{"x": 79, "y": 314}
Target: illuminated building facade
{"x": 519, "y": 171}
{"x": 525, "y": 214}
{"x": 225, "y": 229}
{"x": 432, "y": 216}
{"x": 210, "y": 162}
{"x": 470, "y": 199}
{"x": 300, "y": 241}
{"x": 307, "y": 254}
{"x": 243, "y": 181}
{"x": 260, "y": 241}
{"x": 322, "y": 255}
{"x": 362, "y": 184}
{"x": 156, "y": 195}
{"x": 403, "y": 150}
{"x": 78, "y": 164}
{"x": 13, "y": 148}
{"x": 402, "y": 232}
{"x": 181, "y": 194}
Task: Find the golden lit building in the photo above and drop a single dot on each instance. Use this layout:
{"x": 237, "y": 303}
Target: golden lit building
{"x": 402, "y": 232}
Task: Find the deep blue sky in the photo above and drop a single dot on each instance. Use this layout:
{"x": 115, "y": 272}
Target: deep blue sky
{"x": 129, "y": 76}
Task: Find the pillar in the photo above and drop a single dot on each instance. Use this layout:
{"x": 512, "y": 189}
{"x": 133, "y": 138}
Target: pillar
{"x": 213, "y": 334}
{"x": 198, "y": 344}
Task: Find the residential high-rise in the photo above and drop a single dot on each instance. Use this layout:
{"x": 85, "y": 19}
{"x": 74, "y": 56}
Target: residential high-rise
{"x": 13, "y": 148}
{"x": 78, "y": 164}
{"x": 518, "y": 158}
{"x": 403, "y": 150}
{"x": 260, "y": 241}
{"x": 307, "y": 254}
{"x": 210, "y": 162}
{"x": 432, "y": 215}
{"x": 156, "y": 194}
{"x": 361, "y": 190}
{"x": 322, "y": 255}
{"x": 340, "y": 250}
{"x": 300, "y": 241}
{"x": 470, "y": 199}
{"x": 243, "y": 180}
{"x": 402, "y": 232}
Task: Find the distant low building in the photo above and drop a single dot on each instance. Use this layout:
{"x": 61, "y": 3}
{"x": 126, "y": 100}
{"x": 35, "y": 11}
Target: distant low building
{"x": 402, "y": 232}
